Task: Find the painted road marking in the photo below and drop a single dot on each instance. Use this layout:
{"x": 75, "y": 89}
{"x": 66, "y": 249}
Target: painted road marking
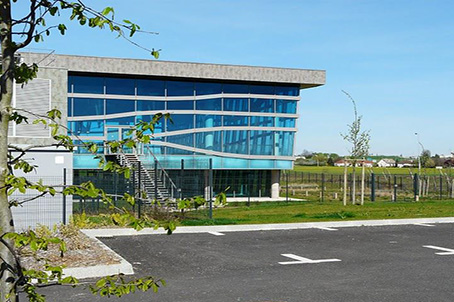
{"x": 216, "y": 233}
{"x": 326, "y": 228}
{"x": 446, "y": 251}
{"x": 424, "y": 224}
{"x": 302, "y": 260}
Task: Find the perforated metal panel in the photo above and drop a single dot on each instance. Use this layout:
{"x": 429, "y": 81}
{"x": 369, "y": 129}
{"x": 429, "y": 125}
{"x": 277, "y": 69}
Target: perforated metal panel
{"x": 34, "y": 97}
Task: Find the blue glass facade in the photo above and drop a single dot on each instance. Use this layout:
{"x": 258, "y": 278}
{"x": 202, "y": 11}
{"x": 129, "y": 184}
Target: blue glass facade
{"x": 238, "y": 125}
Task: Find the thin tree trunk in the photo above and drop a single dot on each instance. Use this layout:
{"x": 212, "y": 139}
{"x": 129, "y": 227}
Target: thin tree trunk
{"x": 354, "y": 184}
{"x": 7, "y": 276}
{"x": 345, "y": 184}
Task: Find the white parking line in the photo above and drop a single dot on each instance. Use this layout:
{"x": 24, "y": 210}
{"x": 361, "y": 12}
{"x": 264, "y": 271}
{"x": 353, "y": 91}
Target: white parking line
{"x": 302, "y": 260}
{"x": 446, "y": 250}
{"x": 216, "y": 233}
{"x": 424, "y": 224}
{"x": 325, "y": 228}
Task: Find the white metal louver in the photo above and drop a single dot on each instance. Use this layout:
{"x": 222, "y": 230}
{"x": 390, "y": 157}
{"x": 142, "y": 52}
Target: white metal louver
{"x": 35, "y": 96}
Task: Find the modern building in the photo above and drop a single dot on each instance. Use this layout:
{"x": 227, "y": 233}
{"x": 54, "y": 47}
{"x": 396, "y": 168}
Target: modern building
{"x": 241, "y": 119}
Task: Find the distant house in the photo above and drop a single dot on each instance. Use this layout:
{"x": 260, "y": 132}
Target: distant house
{"x": 386, "y": 162}
{"x": 342, "y": 163}
{"x": 405, "y": 164}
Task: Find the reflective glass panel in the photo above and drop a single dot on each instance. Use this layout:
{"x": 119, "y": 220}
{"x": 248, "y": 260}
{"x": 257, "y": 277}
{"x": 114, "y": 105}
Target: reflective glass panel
{"x": 172, "y": 151}
{"x": 119, "y": 106}
{"x": 120, "y": 86}
{"x": 70, "y": 107}
{"x": 84, "y": 107}
{"x": 235, "y": 88}
{"x": 262, "y": 143}
{"x": 150, "y": 87}
{"x": 283, "y": 106}
{"x": 208, "y": 121}
{"x": 284, "y": 143}
{"x": 285, "y": 122}
{"x": 208, "y": 88}
{"x": 180, "y": 122}
{"x": 183, "y": 139}
{"x": 235, "y": 120}
{"x": 209, "y": 140}
{"x": 177, "y": 88}
{"x": 150, "y": 105}
{"x": 88, "y": 128}
{"x": 211, "y": 104}
{"x": 261, "y": 89}
{"x": 235, "y": 142}
{"x": 180, "y": 105}
{"x": 263, "y": 121}
{"x": 285, "y": 90}
{"x": 129, "y": 120}
{"x": 84, "y": 84}
{"x": 236, "y": 104}
{"x": 262, "y": 105}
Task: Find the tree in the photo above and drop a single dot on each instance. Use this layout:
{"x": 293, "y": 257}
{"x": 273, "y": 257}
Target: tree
{"x": 359, "y": 141}
{"x": 425, "y": 159}
{"x": 15, "y": 34}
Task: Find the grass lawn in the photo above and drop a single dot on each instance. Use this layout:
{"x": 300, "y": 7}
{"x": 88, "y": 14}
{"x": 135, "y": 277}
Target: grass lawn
{"x": 376, "y": 170}
{"x": 310, "y": 211}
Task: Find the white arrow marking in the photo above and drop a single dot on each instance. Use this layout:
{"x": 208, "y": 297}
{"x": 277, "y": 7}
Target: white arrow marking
{"x": 424, "y": 224}
{"x": 302, "y": 260}
{"x": 446, "y": 251}
{"x": 326, "y": 229}
{"x": 216, "y": 233}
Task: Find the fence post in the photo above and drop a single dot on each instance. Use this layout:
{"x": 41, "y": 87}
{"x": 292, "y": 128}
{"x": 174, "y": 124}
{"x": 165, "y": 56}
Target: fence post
{"x": 64, "y": 196}
{"x": 323, "y": 187}
{"x": 210, "y": 184}
{"x": 372, "y": 187}
{"x": 181, "y": 178}
{"x": 395, "y": 188}
{"x": 133, "y": 189}
{"x": 416, "y": 186}
{"x": 441, "y": 187}
{"x": 286, "y": 187}
{"x": 155, "y": 181}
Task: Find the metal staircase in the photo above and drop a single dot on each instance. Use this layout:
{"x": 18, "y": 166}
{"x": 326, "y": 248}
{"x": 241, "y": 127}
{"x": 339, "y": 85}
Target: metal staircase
{"x": 156, "y": 183}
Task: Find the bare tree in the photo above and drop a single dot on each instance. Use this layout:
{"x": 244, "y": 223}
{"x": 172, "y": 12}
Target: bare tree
{"x": 359, "y": 141}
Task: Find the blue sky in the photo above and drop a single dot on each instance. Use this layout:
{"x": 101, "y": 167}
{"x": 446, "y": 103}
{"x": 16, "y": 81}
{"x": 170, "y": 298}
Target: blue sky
{"x": 395, "y": 58}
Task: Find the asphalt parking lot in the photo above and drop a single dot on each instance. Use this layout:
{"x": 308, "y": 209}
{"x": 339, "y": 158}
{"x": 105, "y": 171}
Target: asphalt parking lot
{"x": 380, "y": 263}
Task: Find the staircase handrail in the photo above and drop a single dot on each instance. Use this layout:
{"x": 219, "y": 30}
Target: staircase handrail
{"x": 174, "y": 186}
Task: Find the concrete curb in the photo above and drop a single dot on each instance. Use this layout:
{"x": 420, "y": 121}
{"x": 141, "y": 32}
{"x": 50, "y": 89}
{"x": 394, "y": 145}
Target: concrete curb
{"x": 264, "y": 227}
{"x": 97, "y": 271}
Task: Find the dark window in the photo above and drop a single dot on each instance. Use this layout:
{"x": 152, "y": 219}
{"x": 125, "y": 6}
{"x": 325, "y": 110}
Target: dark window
{"x": 236, "y": 104}
{"x": 180, "y": 122}
{"x": 176, "y": 88}
{"x": 119, "y": 106}
{"x": 261, "y": 89}
{"x": 210, "y": 104}
{"x": 207, "y": 88}
{"x": 284, "y": 90}
{"x": 235, "y": 88}
{"x": 150, "y": 87}
{"x": 150, "y": 105}
{"x": 283, "y": 106}
{"x": 262, "y": 105}
{"x": 209, "y": 140}
{"x": 70, "y": 107}
{"x": 129, "y": 120}
{"x": 82, "y": 84}
{"x": 120, "y": 86}
{"x": 84, "y": 107}
{"x": 263, "y": 121}
{"x": 236, "y": 142}
{"x": 180, "y": 105}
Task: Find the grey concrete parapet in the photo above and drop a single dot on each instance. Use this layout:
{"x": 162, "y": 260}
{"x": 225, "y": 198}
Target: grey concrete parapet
{"x": 305, "y": 78}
